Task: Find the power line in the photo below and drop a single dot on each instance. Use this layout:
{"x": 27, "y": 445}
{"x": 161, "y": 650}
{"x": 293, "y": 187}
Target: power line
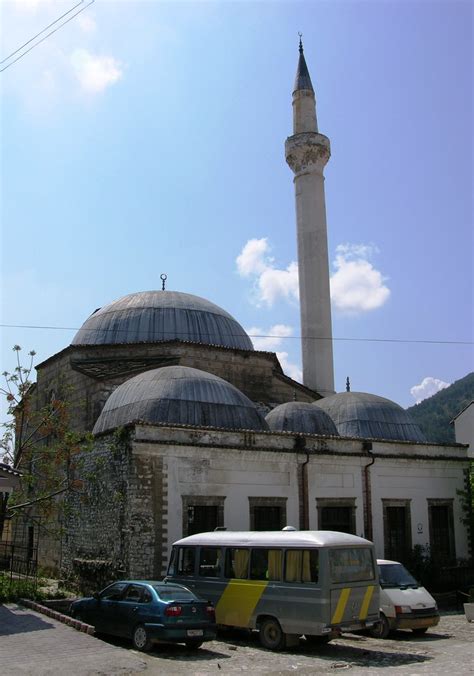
{"x": 253, "y": 335}
{"x": 46, "y": 36}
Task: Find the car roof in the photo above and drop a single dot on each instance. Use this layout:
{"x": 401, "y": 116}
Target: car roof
{"x": 287, "y": 538}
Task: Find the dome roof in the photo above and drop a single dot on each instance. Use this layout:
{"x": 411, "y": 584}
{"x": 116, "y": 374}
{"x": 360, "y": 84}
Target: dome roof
{"x": 179, "y": 395}
{"x": 298, "y": 416}
{"x": 154, "y": 316}
{"x": 358, "y": 414}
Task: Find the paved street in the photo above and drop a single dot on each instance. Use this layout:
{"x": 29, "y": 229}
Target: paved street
{"x": 31, "y": 643}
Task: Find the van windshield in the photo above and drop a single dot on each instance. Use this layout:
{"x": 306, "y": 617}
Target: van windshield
{"x": 394, "y": 575}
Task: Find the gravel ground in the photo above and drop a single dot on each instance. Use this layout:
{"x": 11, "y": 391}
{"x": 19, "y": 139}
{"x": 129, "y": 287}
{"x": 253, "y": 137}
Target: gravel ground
{"x": 448, "y": 648}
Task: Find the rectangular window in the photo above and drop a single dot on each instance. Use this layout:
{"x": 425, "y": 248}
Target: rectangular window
{"x": 237, "y": 563}
{"x": 441, "y": 524}
{"x": 336, "y": 514}
{"x": 397, "y": 529}
{"x": 210, "y": 562}
{"x": 202, "y": 513}
{"x": 302, "y": 565}
{"x": 266, "y": 564}
{"x": 267, "y": 513}
{"x": 182, "y": 561}
{"x": 351, "y": 564}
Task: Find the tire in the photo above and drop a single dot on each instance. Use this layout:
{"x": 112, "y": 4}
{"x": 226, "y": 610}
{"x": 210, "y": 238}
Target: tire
{"x": 194, "y": 644}
{"x": 271, "y": 635}
{"x": 140, "y": 639}
{"x": 420, "y": 631}
{"x": 381, "y": 629}
{"x": 317, "y": 640}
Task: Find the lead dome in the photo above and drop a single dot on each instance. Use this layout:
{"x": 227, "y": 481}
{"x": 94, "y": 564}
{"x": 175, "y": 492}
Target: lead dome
{"x": 368, "y": 416}
{"x": 179, "y": 395}
{"x": 160, "y": 316}
{"x": 298, "y": 416}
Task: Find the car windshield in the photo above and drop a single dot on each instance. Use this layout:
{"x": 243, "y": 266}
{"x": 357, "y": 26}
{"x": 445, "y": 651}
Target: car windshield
{"x": 174, "y": 593}
{"x": 395, "y": 575}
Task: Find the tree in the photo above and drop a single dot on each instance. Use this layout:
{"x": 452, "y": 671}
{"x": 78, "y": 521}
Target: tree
{"x": 39, "y": 441}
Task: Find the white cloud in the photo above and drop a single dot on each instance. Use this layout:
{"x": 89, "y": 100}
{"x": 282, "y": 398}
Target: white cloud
{"x": 292, "y": 370}
{"x": 427, "y": 388}
{"x": 95, "y": 73}
{"x": 86, "y": 23}
{"x": 270, "y": 339}
{"x": 270, "y": 283}
{"x": 356, "y": 286}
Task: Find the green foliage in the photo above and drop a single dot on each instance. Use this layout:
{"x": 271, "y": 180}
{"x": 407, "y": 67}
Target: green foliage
{"x": 433, "y": 415}
{"x": 13, "y": 589}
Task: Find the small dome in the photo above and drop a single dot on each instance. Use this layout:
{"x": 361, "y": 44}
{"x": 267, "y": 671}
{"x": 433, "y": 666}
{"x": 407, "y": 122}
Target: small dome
{"x": 298, "y": 416}
{"x": 159, "y": 316}
{"x": 358, "y": 414}
{"x": 179, "y": 395}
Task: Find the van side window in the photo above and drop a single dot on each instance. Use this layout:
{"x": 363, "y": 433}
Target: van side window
{"x": 266, "y": 564}
{"x": 302, "y": 565}
{"x": 210, "y": 562}
{"x": 183, "y": 561}
{"x": 237, "y": 563}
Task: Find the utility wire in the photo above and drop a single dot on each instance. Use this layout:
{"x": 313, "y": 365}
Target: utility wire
{"x": 46, "y": 36}
{"x": 251, "y": 335}
{"x": 7, "y": 58}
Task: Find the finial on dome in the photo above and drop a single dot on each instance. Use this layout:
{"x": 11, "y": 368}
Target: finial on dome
{"x": 301, "y": 43}
{"x": 163, "y": 278}
{"x": 348, "y": 384}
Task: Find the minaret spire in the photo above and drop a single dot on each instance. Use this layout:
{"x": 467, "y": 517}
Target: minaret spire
{"x": 307, "y": 153}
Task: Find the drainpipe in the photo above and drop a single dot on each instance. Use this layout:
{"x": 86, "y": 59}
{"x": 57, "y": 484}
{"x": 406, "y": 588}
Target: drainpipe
{"x": 300, "y": 445}
{"x": 367, "y": 447}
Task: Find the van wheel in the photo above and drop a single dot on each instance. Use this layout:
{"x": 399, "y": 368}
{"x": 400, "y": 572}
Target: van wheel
{"x": 271, "y": 635}
{"x": 420, "y": 631}
{"x": 381, "y": 629}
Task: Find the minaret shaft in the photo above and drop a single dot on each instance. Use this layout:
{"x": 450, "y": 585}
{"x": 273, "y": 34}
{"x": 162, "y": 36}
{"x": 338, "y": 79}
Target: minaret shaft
{"x": 307, "y": 153}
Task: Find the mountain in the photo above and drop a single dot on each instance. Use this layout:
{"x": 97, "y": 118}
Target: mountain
{"x": 434, "y": 414}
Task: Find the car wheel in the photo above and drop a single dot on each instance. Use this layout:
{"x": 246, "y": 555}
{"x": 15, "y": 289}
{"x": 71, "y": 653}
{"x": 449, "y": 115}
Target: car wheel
{"x": 420, "y": 631}
{"x": 317, "y": 640}
{"x": 140, "y": 638}
{"x": 381, "y": 629}
{"x": 193, "y": 644}
{"x": 271, "y": 635}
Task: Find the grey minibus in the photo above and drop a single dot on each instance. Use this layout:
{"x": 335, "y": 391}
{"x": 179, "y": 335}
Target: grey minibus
{"x": 283, "y": 583}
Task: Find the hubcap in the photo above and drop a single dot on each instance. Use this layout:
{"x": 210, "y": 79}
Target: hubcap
{"x": 140, "y": 637}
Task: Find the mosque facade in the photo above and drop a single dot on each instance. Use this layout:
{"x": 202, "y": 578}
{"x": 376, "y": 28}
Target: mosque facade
{"x": 195, "y": 429}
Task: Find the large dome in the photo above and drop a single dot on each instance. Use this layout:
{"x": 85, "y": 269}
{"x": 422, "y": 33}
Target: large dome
{"x": 179, "y": 395}
{"x": 299, "y": 416}
{"x": 157, "y": 316}
{"x": 358, "y": 414}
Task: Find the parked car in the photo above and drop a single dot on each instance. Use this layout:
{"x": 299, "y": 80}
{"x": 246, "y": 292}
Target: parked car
{"x": 149, "y": 612}
{"x": 404, "y": 603}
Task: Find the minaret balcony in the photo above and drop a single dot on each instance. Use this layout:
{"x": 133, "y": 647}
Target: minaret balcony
{"x": 307, "y": 152}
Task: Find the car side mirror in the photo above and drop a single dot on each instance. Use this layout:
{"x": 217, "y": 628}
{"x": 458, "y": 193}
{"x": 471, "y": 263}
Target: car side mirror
{"x": 96, "y": 596}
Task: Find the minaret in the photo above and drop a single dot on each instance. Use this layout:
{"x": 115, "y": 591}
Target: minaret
{"x": 307, "y": 153}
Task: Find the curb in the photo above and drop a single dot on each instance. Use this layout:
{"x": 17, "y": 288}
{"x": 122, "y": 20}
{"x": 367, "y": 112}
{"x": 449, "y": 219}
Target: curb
{"x": 60, "y": 617}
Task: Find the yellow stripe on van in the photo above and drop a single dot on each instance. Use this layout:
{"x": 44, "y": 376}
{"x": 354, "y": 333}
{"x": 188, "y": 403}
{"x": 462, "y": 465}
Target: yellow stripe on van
{"x": 238, "y": 601}
{"x": 341, "y": 606}
{"x": 364, "y": 609}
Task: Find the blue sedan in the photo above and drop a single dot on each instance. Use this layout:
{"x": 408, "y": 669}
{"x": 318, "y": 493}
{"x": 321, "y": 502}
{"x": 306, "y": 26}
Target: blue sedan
{"x": 149, "y": 612}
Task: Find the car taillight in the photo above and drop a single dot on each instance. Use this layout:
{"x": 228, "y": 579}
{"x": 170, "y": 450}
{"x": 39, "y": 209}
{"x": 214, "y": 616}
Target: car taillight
{"x": 173, "y": 611}
{"x": 211, "y": 611}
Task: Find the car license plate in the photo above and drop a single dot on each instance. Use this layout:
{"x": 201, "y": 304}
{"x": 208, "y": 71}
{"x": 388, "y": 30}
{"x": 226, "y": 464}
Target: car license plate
{"x": 194, "y": 632}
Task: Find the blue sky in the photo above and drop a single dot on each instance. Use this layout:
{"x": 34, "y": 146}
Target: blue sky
{"x": 148, "y": 137}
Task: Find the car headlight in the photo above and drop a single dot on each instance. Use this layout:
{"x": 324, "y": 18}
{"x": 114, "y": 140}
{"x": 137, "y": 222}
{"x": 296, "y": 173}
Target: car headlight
{"x": 402, "y": 609}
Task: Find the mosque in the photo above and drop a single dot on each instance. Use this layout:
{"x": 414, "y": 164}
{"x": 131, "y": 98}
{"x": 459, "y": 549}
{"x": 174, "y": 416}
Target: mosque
{"x": 195, "y": 429}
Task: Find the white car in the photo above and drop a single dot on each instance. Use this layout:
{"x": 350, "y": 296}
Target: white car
{"x": 404, "y": 604}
